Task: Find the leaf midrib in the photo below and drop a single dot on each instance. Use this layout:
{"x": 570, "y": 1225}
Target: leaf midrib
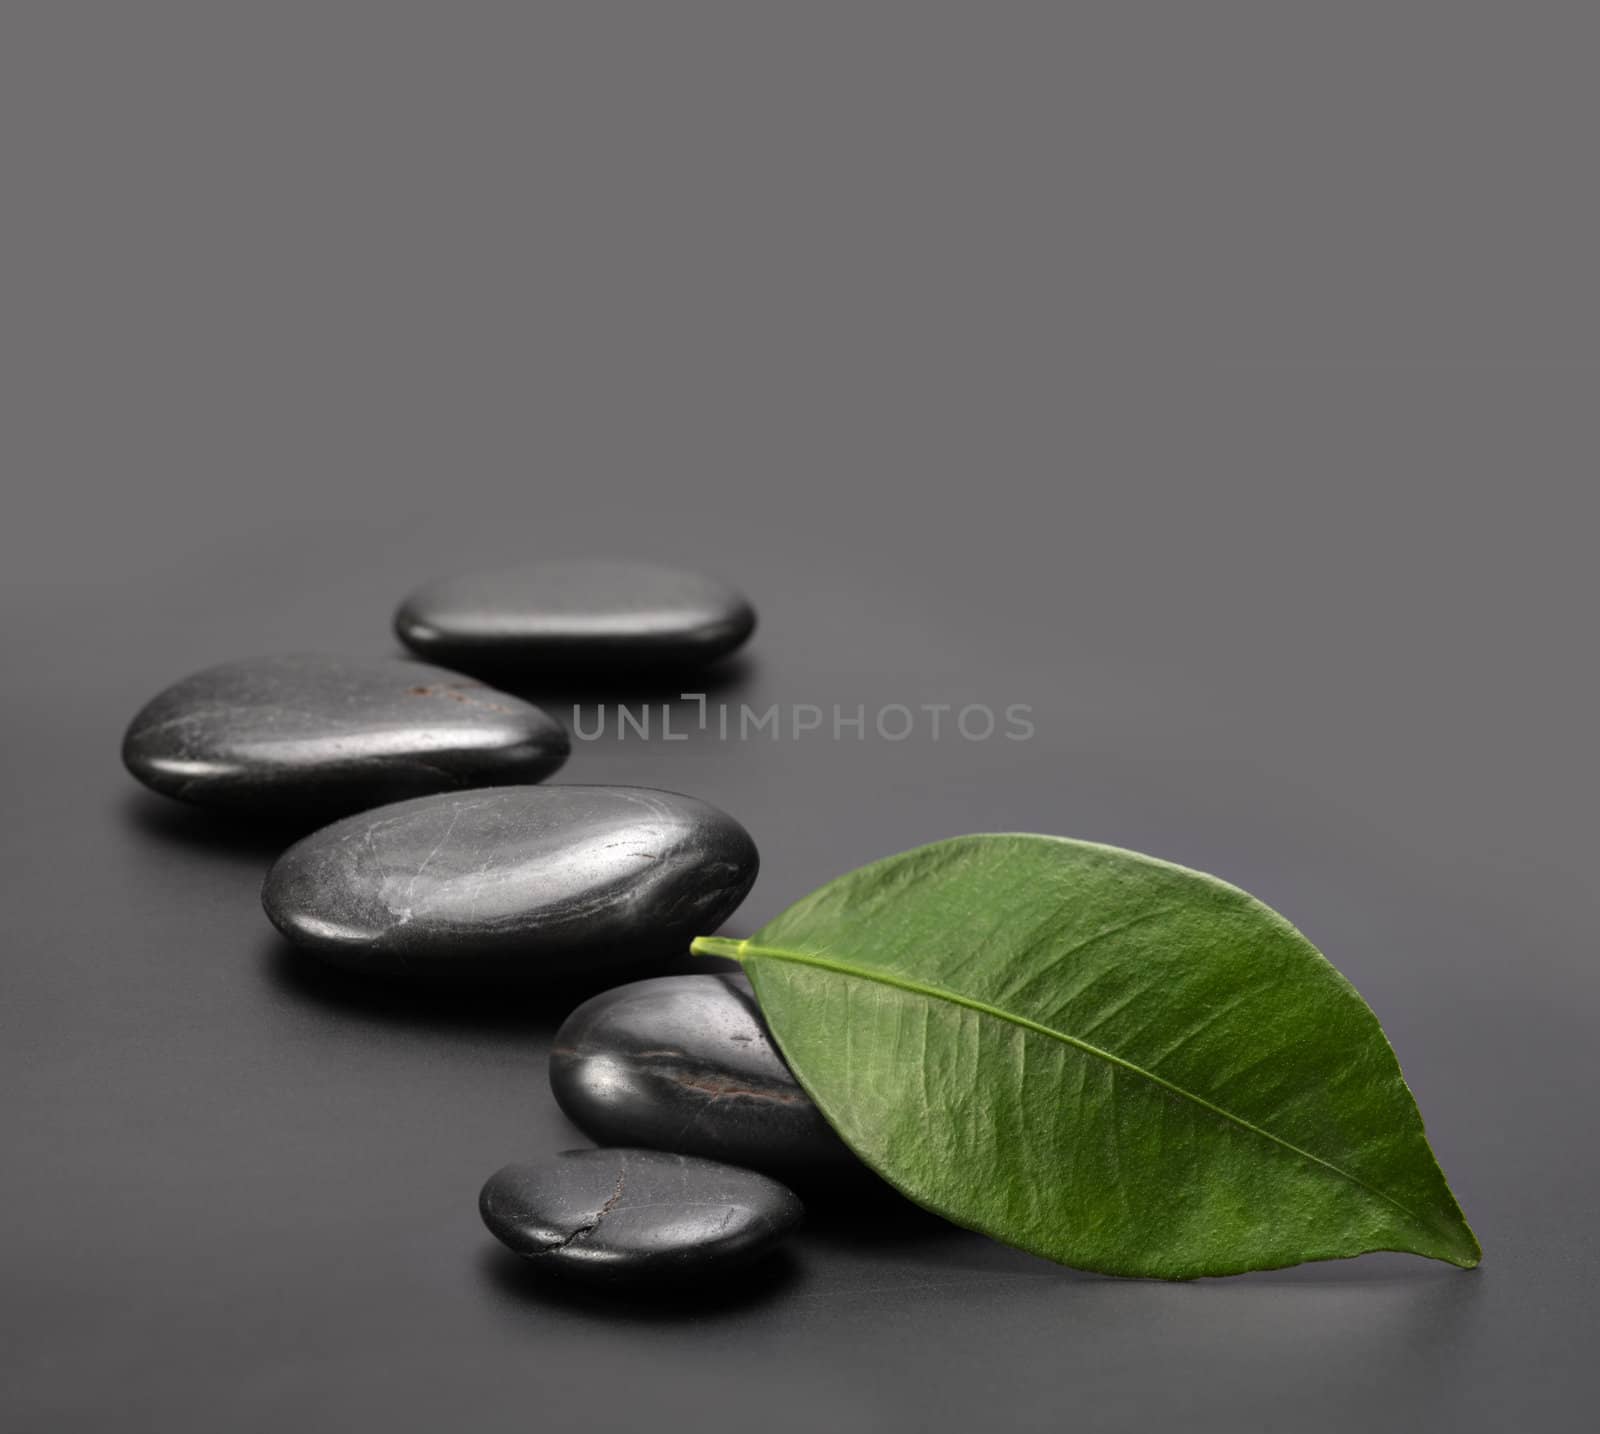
{"x": 740, "y": 949}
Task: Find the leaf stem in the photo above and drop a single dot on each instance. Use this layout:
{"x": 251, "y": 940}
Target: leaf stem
{"x": 717, "y": 946}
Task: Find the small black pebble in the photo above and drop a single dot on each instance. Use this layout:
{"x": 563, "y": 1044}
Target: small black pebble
{"x": 636, "y": 1216}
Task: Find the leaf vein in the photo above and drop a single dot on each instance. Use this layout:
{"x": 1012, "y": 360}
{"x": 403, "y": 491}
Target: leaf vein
{"x": 939, "y": 993}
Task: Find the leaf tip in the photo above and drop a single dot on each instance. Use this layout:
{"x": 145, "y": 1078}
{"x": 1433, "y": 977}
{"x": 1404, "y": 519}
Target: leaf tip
{"x": 1471, "y": 1251}
{"x": 1463, "y": 1250}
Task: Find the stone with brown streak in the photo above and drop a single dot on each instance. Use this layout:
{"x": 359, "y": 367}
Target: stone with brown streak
{"x": 686, "y": 1063}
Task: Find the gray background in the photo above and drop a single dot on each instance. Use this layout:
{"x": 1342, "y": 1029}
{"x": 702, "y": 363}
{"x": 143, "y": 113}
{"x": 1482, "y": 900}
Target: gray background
{"x": 1220, "y": 381}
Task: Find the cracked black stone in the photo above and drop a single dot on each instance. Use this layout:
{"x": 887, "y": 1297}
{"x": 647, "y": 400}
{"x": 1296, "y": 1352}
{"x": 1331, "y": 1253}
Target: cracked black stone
{"x": 611, "y": 617}
{"x": 325, "y": 735}
{"x": 513, "y": 881}
{"x": 636, "y": 1216}
{"x": 685, "y": 1063}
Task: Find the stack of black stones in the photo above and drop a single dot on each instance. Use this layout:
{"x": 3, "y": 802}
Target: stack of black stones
{"x": 444, "y": 862}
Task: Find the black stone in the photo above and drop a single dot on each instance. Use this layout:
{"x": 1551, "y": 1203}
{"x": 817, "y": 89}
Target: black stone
{"x": 328, "y": 735}
{"x": 636, "y": 1216}
{"x": 513, "y": 881}
{"x": 609, "y": 617}
{"x": 685, "y": 1063}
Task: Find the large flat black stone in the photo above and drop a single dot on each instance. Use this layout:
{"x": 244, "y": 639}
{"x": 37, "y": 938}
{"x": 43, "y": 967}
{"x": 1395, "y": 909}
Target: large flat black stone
{"x": 528, "y": 881}
{"x": 611, "y": 618}
{"x": 327, "y": 734}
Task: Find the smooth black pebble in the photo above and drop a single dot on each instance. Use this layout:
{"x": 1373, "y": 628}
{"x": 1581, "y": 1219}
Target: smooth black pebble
{"x": 513, "y": 881}
{"x": 327, "y": 735}
{"x": 636, "y": 1216}
{"x": 608, "y": 617}
{"x": 685, "y": 1063}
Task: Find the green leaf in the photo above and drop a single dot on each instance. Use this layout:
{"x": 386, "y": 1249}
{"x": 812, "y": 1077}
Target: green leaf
{"x": 1100, "y": 1057}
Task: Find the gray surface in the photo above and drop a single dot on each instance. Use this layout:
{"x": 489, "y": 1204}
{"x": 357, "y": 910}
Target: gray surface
{"x": 1219, "y": 382}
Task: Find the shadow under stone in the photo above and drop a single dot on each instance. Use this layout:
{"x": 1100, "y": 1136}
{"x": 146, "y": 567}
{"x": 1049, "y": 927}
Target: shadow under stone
{"x": 199, "y": 828}
{"x": 521, "y": 1281}
{"x": 558, "y": 690}
{"x": 533, "y": 1003}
